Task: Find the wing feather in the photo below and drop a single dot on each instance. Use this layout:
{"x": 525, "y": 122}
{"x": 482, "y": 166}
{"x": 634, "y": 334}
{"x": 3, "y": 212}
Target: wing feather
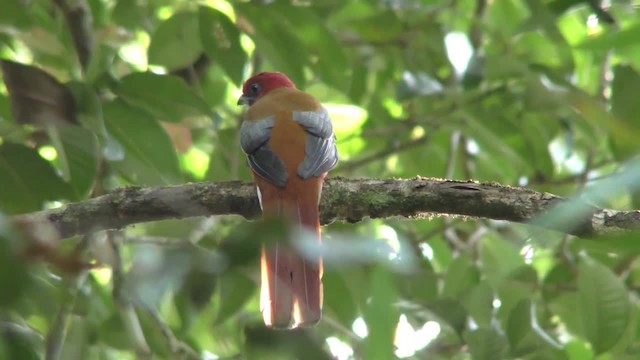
{"x": 321, "y": 154}
{"x": 254, "y": 140}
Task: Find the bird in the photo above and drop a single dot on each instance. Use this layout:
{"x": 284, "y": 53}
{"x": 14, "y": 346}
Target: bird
{"x": 288, "y": 139}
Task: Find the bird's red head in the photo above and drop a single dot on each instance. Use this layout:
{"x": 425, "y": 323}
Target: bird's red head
{"x": 261, "y": 84}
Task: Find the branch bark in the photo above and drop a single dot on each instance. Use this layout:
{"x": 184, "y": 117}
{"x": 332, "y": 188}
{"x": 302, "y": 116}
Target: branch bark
{"x": 349, "y": 200}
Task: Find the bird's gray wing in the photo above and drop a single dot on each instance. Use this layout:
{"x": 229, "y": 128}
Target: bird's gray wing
{"x": 254, "y": 140}
{"x": 321, "y": 153}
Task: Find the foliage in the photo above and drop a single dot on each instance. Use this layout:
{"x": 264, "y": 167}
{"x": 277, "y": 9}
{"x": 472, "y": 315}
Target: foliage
{"x": 106, "y": 93}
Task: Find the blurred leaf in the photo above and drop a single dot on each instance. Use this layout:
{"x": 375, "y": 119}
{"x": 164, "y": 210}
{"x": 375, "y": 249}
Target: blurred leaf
{"x": 37, "y": 97}
{"x": 27, "y": 180}
{"x": 263, "y": 343}
{"x": 113, "y": 333}
{"x": 318, "y": 41}
{"x": 76, "y": 341}
{"x": 613, "y": 39}
{"x": 380, "y": 316}
{"x": 460, "y": 278}
{"x": 499, "y": 258}
{"x": 242, "y": 247}
{"x": 176, "y": 43}
{"x": 195, "y": 293}
{"x": 338, "y": 298}
{"x": 358, "y": 82}
{"x": 159, "y": 269}
{"x": 235, "y": 290}
{"x": 479, "y": 303}
{"x": 81, "y": 151}
{"x": 221, "y": 40}
{"x": 276, "y": 40}
{"x": 151, "y": 160}
{"x": 128, "y": 13}
{"x": 5, "y": 109}
{"x": 382, "y": 27}
{"x": 13, "y": 272}
{"x": 15, "y": 14}
{"x": 450, "y": 311}
{"x": 18, "y": 342}
{"x": 603, "y": 295}
{"x": 485, "y": 342}
{"x": 624, "y": 104}
{"x": 167, "y": 97}
{"x": 578, "y": 350}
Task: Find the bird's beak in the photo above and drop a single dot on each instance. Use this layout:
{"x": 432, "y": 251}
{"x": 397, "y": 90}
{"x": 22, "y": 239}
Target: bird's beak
{"x": 246, "y": 100}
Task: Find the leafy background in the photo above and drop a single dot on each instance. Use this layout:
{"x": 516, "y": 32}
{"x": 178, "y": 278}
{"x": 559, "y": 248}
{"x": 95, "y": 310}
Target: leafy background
{"x": 99, "y": 94}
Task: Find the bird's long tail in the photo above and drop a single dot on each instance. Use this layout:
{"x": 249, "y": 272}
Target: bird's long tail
{"x": 291, "y": 289}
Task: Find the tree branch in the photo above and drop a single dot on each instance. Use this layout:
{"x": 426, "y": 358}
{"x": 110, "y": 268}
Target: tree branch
{"x": 350, "y": 200}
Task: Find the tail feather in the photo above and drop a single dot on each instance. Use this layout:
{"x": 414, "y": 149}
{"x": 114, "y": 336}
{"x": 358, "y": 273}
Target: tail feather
{"x": 291, "y": 290}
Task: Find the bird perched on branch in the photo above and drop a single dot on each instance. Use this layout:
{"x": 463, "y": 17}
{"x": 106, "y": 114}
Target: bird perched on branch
{"x": 290, "y": 146}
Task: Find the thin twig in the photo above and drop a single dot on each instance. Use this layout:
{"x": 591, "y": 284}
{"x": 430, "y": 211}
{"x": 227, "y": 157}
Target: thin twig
{"x": 125, "y": 307}
{"x": 177, "y": 347}
{"x": 58, "y": 331}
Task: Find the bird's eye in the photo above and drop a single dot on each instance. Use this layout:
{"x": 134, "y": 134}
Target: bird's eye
{"x": 254, "y": 89}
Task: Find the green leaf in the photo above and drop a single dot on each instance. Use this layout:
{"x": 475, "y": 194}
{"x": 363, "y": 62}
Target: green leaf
{"x": 381, "y": 27}
{"x": 450, "y": 311}
{"x": 176, "y": 42}
{"x": 15, "y": 13}
{"x": 479, "y": 303}
{"x": 613, "y": 39}
{"x": 150, "y": 157}
{"x": 485, "y": 342}
{"x": 602, "y": 295}
{"x": 13, "y": 272}
{"x": 499, "y": 258}
{"x": 27, "y": 180}
{"x": 625, "y": 106}
{"x": 81, "y": 150}
{"x": 460, "y": 278}
{"x": 113, "y": 333}
{"x": 380, "y": 316}
{"x": 338, "y": 297}
{"x": 129, "y": 14}
{"x": 578, "y": 350}
{"x": 235, "y": 290}
{"x": 167, "y": 97}
{"x": 221, "y": 40}
{"x": 320, "y": 44}
{"x": 276, "y": 41}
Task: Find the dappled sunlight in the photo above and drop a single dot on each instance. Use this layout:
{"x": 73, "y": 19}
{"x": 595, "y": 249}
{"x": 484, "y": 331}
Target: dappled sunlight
{"x": 359, "y": 328}
{"x": 135, "y": 53}
{"x": 409, "y": 340}
{"x": 339, "y": 349}
{"x": 48, "y": 152}
{"x": 196, "y": 162}
{"x": 459, "y": 51}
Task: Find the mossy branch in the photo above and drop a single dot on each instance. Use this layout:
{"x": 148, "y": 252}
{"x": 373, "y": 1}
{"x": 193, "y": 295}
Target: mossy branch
{"x": 349, "y": 200}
